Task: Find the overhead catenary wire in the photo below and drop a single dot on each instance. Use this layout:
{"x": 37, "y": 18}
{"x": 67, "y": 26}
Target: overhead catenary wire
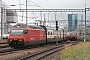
{"x": 35, "y": 4}
{"x": 42, "y": 7}
{"x": 53, "y": 6}
{"x": 30, "y": 5}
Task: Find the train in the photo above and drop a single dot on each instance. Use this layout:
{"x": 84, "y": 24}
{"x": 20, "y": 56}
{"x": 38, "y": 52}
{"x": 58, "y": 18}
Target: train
{"x": 72, "y": 35}
{"x": 23, "y": 35}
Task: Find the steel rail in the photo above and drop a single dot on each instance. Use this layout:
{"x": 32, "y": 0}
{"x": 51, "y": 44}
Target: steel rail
{"x": 42, "y": 54}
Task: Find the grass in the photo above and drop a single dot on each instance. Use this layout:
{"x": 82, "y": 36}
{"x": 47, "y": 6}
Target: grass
{"x": 78, "y": 52}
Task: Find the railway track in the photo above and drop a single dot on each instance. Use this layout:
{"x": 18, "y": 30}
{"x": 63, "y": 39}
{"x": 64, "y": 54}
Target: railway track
{"x": 3, "y": 42}
{"x": 4, "y": 50}
{"x": 5, "y": 46}
{"x": 7, "y": 51}
{"x": 42, "y": 54}
{"x": 39, "y": 55}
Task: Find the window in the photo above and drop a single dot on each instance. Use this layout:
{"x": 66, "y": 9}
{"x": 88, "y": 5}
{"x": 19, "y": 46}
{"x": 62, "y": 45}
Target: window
{"x": 18, "y": 32}
{"x": 25, "y": 31}
{"x": 51, "y": 33}
{"x": 48, "y": 33}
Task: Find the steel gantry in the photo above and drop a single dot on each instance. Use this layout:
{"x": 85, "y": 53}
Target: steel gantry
{"x": 46, "y": 10}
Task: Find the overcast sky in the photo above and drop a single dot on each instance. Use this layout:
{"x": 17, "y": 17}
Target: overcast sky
{"x": 53, "y": 3}
{"x": 57, "y": 4}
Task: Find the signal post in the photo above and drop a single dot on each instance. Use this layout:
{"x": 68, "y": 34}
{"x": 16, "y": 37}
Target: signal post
{"x": 57, "y": 32}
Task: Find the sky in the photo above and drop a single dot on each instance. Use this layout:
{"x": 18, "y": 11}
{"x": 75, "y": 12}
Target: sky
{"x": 52, "y": 3}
{"x": 56, "y": 4}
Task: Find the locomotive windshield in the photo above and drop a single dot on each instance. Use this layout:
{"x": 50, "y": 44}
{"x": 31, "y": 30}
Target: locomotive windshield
{"x": 18, "y": 32}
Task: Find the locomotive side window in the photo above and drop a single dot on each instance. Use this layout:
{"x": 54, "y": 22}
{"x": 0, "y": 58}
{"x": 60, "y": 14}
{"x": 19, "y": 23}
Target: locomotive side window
{"x": 51, "y": 33}
{"x": 25, "y": 31}
{"x": 48, "y": 33}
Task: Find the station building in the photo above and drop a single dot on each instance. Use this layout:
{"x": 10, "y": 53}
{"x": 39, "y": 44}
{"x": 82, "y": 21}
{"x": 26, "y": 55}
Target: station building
{"x": 6, "y": 18}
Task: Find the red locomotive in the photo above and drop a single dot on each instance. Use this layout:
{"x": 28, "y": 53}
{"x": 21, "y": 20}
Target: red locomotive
{"x": 72, "y": 35}
{"x": 22, "y": 35}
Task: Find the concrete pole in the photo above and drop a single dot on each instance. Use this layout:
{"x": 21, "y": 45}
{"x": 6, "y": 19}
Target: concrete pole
{"x": 57, "y": 33}
{"x": 22, "y": 16}
{"x": 81, "y": 24}
{"x": 26, "y": 12}
{"x": 48, "y": 17}
{"x": 63, "y": 34}
{"x": 55, "y": 16}
{"x": 57, "y": 38}
{"x": 85, "y": 27}
{"x": 41, "y": 18}
{"x": 44, "y": 20}
{"x": 20, "y": 5}
{"x": 1, "y": 23}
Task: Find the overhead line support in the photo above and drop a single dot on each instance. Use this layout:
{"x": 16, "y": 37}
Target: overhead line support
{"x": 48, "y": 10}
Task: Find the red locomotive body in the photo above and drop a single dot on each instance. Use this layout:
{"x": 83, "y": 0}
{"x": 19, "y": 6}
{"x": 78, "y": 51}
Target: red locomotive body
{"x": 26, "y": 36}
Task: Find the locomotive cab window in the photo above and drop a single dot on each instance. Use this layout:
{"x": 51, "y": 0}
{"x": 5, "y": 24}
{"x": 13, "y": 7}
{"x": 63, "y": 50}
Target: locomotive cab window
{"x": 25, "y": 31}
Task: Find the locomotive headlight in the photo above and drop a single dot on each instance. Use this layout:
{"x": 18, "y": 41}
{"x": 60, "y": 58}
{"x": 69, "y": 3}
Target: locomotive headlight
{"x": 20, "y": 40}
{"x": 10, "y": 40}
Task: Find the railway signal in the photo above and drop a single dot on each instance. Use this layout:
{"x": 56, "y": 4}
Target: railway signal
{"x": 57, "y": 25}
{"x": 57, "y": 32}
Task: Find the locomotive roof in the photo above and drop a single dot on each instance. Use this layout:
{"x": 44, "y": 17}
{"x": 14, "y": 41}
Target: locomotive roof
{"x": 20, "y": 25}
